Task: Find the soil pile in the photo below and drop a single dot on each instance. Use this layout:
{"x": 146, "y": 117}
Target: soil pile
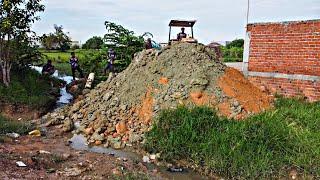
{"x": 119, "y": 112}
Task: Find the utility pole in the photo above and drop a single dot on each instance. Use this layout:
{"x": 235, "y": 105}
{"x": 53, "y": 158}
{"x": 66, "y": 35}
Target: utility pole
{"x": 246, "y": 49}
{"x": 248, "y": 12}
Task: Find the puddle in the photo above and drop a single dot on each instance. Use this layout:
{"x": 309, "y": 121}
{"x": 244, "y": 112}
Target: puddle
{"x": 78, "y": 142}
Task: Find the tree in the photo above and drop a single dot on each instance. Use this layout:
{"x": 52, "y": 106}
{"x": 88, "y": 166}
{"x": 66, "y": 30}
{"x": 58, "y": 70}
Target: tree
{"x": 57, "y": 40}
{"x": 124, "y": 41}
{"x": 93, "y": 43}
{"x": 16, "y": 18}
{"x": 235, "y": 43}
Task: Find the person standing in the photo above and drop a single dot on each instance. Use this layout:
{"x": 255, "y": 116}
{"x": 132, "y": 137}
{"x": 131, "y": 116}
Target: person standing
{"x": 75, "y": 66}
{"x": 148, "y": 44}
{"x": 111, "y": 59}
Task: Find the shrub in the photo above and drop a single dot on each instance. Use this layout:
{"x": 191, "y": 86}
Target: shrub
{"x": 262, "y": 146}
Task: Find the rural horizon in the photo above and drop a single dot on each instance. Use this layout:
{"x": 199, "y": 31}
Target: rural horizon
{"x": 217, "y": 20}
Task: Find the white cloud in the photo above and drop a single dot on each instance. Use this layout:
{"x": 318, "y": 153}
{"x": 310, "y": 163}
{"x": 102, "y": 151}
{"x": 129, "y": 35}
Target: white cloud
{"x": 217, "y": 20}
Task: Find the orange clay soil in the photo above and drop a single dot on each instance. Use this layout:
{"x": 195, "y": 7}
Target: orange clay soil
{"x": 146, "y": 110}
{"x": 163, "y": 81}
{"x": 236, "y": 86}
{"x": 200, "y": 98}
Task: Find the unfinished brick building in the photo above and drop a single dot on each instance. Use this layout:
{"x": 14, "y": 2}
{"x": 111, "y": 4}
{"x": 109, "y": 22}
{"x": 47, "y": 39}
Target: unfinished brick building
{"x": 284, "y": 58}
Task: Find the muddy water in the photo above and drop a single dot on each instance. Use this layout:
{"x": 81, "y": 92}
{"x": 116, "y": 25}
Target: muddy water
{"x": 65, "y": 97}
{"x": 79, "y": 142}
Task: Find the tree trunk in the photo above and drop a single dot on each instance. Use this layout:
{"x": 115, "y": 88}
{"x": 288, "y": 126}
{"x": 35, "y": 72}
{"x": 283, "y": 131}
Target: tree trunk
{"x": 6, "y": 67}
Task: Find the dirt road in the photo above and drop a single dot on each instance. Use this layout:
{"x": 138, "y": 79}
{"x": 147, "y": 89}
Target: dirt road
{"x": 51, "y": 157}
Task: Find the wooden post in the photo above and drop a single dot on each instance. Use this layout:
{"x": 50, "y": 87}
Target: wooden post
{"x": 192, "y": 32}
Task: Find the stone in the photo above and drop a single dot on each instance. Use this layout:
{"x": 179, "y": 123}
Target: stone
{"x": 68, "y": 125}
{"x": 116, "y": 172}
{"x": 98, "y": 143}
{"x": 133, "y": 138}
{"x": 146, "y": 159}
{"x": 153, "y": 157}
{"x": 66, "y": 156}
{"x": 117, "y": 145}
{"x": 97, "y": 137}
{"x": 107, "y": 96}
{"x": 121, "y": 127}
{"x": 88, "y": 131}
{"x": 123, "y": 107}
{"x": 110, "y": 130}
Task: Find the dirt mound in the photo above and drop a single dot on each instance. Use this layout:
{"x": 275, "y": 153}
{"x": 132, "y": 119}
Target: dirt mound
{"x": 181, "y": 74}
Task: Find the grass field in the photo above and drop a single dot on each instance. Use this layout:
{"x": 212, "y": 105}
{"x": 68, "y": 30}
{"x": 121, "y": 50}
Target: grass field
{"x": 264, "y": 146}
{"x": 61, "y": 59}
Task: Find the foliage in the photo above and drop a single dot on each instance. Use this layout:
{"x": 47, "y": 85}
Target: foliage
{"x": 93, "y": 43}
{"x": 262, "y": 146}
{"x": 233, "y": 54}
{"x": 58, "y": 40}
{"x": 235, "y": 43}
{"x": 9, "y": 126}
{"x": 75, "y": 46}
{"x": 28, "y": 87}
{"x": 16, "y": 18}
{"x": 124, "y": 42}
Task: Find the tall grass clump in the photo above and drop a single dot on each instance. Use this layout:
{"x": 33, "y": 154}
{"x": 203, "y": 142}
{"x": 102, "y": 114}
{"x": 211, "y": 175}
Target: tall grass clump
{"x": 9, "y": 126}
{"x": 263, "y": 146}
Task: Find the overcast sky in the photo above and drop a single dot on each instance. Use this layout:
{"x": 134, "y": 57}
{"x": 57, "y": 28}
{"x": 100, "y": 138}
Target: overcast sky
{"x": 218, "y": 20}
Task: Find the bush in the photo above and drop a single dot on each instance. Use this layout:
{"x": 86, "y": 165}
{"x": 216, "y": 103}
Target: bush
{"x": 234, "y": 54}
{"x": 9, "y": 126}
{"x": 28, "y": 87}
{"x": 263, "y": 146}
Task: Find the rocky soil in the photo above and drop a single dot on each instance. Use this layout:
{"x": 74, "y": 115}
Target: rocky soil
{"x": 117, "y": 113}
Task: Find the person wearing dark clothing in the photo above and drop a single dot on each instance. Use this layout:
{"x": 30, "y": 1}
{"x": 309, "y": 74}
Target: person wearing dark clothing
{"x": 148, "y": 44}
{"x": 111, "y": 59}
{"x": 74, "y": 62}
{"x": 181, "y": 35}
{"x": 48, "y": 69}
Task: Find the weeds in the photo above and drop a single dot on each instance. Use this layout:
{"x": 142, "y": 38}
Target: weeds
{"x": 262, "y": 146}
{"x": 9, "y": 126}
{"x": 28, "y": 87}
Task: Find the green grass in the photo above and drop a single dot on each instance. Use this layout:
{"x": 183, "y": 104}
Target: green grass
{"x": 29, "y": 88}
{"x": 262, "y": 146}
{"x": 9, "y": 126}
{"x": 64, "y": 57}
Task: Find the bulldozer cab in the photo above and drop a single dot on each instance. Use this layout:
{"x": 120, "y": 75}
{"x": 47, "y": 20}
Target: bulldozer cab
{"x": 182, "y": 24}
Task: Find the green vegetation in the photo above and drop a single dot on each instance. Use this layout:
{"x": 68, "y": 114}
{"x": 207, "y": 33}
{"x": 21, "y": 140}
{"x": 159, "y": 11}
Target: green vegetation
{"x": 233, "y": 52}
{"x": 262, "y": 146}
{"x": 93, "y": 43}
{"x": 16, "y": 37}
{"x": 58, "y": 40}
{"x": 9, "y": 126}
{"x": 93, "y": 56}
{"x": 28, "y": 87}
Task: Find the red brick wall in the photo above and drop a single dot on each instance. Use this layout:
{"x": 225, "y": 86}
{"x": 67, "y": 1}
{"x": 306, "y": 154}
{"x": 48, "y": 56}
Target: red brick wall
{"x": 287, "y": 48}
{"x": 289, "y": 88}
{"x": 290, "y": 48}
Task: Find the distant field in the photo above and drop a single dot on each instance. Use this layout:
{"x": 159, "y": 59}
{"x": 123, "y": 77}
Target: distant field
{"x": 61, "y": 59}
{"x": 57, "y": 56}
